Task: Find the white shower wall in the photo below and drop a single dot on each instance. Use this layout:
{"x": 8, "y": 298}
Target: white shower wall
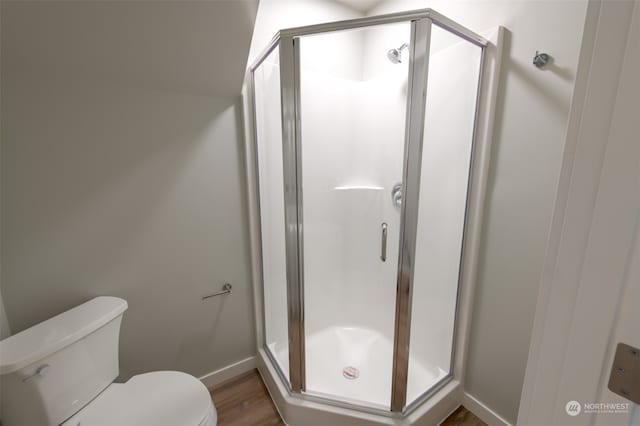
{"x": 351, "y": 157}
{"x": 352, "y": 149}
{"x": 327, "y": 131}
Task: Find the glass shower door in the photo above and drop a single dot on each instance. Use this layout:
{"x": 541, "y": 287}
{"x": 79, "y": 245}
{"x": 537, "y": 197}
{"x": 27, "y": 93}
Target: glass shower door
{"x": 447, "y": 140}
{"x": 268, "y": 129}
{"x": 353, "y": 96}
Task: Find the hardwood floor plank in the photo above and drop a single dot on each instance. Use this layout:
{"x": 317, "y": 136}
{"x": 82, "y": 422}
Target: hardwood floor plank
{"x": 463, "y": 417}
{"x": 245, "y": 401}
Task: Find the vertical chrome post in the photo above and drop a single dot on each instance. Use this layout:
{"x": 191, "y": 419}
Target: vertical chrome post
{"x": 298, "y": 136}
{"x": 292, "y": 206}
{"x": 416, "y": 105}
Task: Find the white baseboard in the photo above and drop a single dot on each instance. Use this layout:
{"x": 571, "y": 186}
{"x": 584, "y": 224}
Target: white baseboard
{"x": 485, "y": 413}
{"x": 228, "y": 372}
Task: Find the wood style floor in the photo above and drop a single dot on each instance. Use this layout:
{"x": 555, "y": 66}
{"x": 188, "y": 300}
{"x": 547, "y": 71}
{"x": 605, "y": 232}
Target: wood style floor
{"x": 463, "y": 417}
{"x": 245, "y": 401}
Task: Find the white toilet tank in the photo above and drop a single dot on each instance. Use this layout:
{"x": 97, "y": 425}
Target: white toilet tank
{"x": 50, "y": 371}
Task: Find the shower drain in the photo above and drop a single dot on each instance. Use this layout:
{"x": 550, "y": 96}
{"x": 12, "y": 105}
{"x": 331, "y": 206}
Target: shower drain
{"x": 350, "y": 373}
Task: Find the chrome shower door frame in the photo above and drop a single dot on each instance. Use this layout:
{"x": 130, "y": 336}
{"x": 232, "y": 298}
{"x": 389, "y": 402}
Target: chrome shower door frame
{"x": 290, "y": 87}
{"x": 287, "y": 41}
{"x": 414, "y": 130}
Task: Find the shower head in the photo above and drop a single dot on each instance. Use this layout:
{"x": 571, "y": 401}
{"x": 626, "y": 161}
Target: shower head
{"x": 395, "y": 55}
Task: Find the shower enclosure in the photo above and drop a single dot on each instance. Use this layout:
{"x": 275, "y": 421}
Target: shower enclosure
{"x": 364, "y": 132}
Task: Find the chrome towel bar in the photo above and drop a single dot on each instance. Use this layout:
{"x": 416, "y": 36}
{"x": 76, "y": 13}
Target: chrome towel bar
{"x": 226, "y": 288}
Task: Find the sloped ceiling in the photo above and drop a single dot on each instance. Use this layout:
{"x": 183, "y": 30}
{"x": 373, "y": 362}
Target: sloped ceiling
{"x": 193, "y": 46}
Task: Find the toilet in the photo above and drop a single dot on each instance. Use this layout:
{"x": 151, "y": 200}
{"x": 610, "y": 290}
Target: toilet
{"x": 61, "y": 372}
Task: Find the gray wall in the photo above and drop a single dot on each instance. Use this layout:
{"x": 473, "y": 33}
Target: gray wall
{"x": 135, "y": 193}
{"x": 5, "y": 330}
{"x": 116, "y": 186}
{"x": 532, "y": 114}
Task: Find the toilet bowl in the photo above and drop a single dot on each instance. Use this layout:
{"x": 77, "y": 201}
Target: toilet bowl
{"x": 158, "y": 398}
{"x": 61, "y": 372}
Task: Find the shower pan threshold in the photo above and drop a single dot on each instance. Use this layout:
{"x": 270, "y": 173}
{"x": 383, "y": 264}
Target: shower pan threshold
{"x": 318, "y": 410}
{"x": 349, "y": 363}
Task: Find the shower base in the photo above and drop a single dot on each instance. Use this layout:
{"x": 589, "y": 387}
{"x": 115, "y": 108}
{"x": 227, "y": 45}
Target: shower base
{"x": 354, "y": 364}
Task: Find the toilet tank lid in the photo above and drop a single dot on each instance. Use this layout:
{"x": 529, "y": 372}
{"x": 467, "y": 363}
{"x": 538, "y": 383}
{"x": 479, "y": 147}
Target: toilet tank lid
{"x": 45, "y": 338}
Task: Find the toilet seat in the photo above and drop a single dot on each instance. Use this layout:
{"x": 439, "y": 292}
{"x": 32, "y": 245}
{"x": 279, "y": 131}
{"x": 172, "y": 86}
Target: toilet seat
{"x": 166, "y": 398}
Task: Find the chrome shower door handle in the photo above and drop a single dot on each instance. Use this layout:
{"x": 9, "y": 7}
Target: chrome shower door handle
{"x": 383, "y": 248}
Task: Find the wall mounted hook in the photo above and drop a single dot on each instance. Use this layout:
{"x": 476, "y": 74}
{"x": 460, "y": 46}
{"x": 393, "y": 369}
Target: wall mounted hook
{"x": 541, "y": 59}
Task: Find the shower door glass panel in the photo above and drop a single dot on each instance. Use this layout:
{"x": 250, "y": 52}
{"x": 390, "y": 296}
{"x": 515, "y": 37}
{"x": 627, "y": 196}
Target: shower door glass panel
{"x": 352, "y": 116}
{"x": 272, "y": 225}
{"x": 453, "y": 73}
